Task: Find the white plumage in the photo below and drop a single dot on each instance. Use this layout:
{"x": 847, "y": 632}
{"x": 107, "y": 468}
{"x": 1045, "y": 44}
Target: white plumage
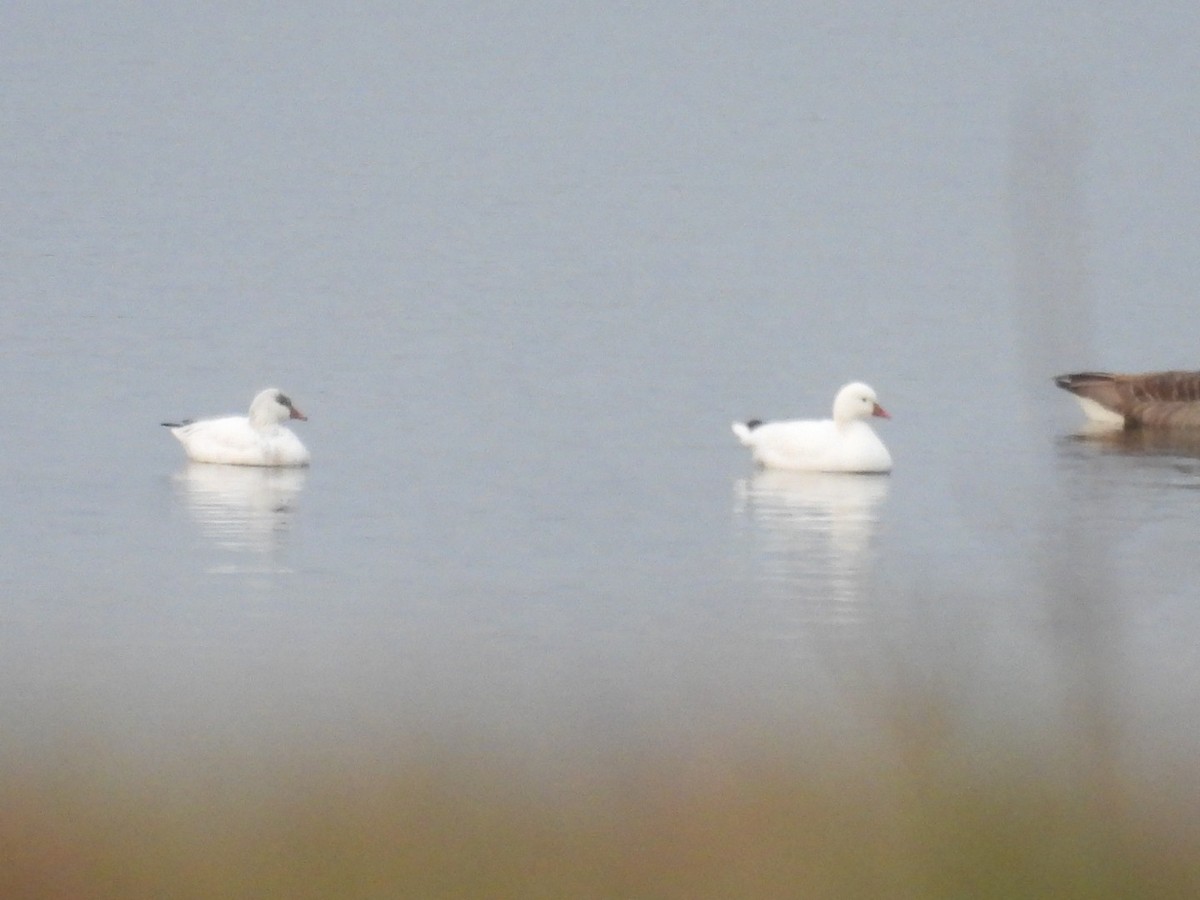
{"x": 845, "y": 443}
{"x": 254, "y": 440}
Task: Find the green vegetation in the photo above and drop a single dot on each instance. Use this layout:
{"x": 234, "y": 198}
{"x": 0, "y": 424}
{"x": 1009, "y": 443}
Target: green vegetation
{"x": 919, "y": 815}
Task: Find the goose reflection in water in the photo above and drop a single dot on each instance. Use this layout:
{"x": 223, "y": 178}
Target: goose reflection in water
{"x": 817, "y": 532}
{"x": 243, "y": 509}
{"x": 1178, "y": 442}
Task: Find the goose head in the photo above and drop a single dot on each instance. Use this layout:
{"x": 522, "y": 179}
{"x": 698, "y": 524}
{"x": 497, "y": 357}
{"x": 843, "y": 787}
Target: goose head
{"x": 271, "y": 407}
{"x": 857, "y": 401}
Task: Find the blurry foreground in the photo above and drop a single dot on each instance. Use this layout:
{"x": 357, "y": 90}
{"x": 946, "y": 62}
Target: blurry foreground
{"x": 924, "y": 812}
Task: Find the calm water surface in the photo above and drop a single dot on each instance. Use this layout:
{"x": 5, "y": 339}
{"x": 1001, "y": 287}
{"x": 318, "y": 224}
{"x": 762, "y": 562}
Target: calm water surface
{"x": 521, "y": 269}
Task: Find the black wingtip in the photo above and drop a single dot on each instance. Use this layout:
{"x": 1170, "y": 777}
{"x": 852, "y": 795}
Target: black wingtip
{"x": 1075, "y": 379}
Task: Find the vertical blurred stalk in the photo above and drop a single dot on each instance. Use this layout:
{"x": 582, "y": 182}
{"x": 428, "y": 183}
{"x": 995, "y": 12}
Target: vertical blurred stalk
{"x": 1049, "y": 237}
{"x": 1049, "y": 221}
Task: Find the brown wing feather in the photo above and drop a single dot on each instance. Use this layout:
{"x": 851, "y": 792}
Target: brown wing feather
{"x": 1169, "y": 387}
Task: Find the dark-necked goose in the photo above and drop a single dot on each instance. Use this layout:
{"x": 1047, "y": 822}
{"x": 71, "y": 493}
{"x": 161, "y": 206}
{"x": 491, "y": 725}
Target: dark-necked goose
{"x": 254, "y": 440}
{"x": 845, "y": 443}
{"x": 1151, "y": 399}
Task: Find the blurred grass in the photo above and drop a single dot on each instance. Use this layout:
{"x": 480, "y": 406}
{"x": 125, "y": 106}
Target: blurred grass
{"x": 924, "y": 815}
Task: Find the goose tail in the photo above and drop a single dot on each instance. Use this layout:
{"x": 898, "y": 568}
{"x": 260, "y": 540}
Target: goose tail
{"x": 744, "y": 430}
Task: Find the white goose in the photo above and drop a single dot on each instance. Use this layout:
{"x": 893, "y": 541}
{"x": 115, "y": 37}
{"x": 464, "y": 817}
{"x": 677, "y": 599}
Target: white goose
{"x": 254, "y": 440}
{"x": 845, "y": 443}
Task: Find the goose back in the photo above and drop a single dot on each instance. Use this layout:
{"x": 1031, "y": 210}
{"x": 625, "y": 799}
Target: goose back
{"x": 1149, "y": 399}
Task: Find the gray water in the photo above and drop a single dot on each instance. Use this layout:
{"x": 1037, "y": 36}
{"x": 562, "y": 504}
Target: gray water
{"x": 521, "y": 265}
